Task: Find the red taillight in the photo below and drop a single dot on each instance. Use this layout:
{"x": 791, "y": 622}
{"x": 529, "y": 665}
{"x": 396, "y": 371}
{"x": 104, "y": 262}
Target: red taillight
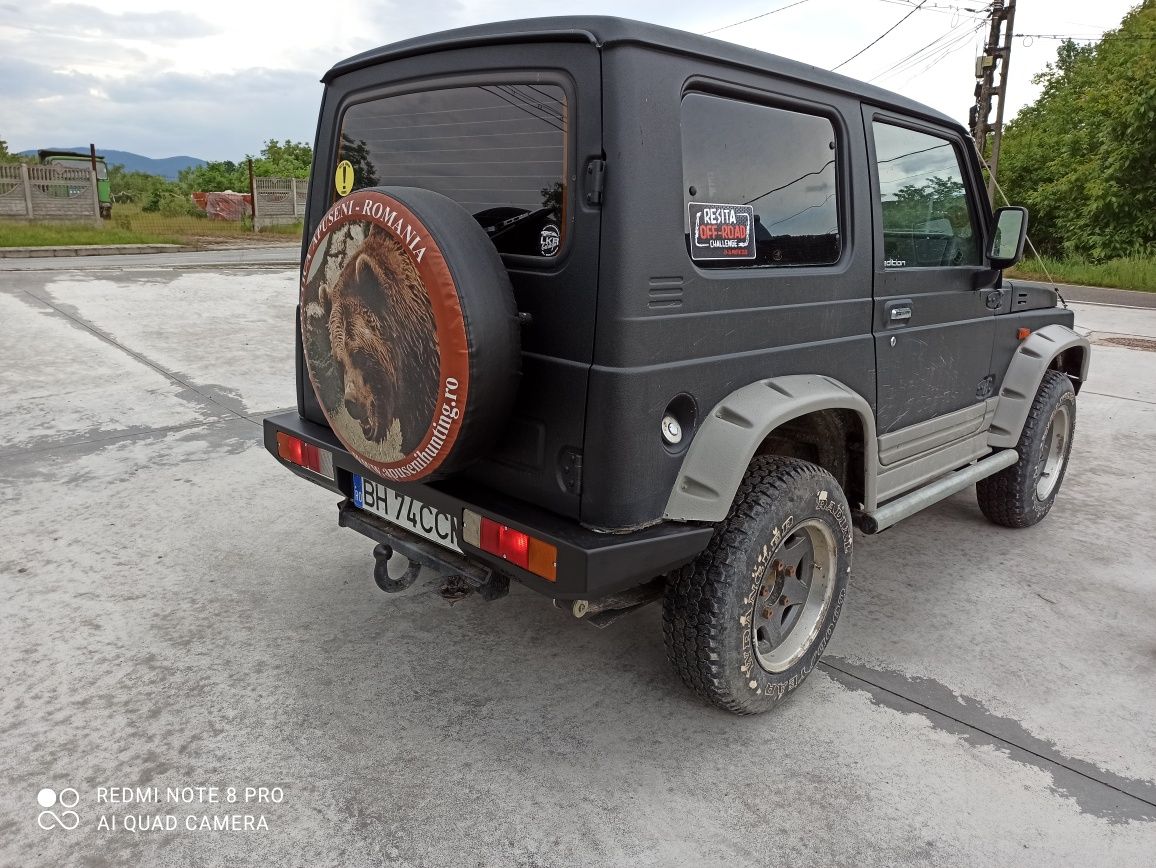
{"x": 505, "y": 542}
{"x": 490, "y": 539}
{"x": 512, "y": 545}
{"x": 297, "y": 451}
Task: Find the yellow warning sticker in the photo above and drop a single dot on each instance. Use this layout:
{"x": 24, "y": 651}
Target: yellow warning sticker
{"x": 343, "y": 177}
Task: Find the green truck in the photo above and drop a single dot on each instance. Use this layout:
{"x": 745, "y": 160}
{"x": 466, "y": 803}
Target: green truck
{"x": 74, "y": 160}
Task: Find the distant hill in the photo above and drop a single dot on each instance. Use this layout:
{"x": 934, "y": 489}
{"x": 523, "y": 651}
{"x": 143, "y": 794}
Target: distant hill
{"x": 167, "y": 167}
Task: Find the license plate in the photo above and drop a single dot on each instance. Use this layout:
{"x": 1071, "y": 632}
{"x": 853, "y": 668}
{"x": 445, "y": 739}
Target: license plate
{"x": 407, "y": 512}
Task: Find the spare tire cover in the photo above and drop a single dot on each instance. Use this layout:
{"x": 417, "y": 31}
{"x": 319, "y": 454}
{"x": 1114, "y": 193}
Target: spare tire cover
{"x": 409, "y": 330}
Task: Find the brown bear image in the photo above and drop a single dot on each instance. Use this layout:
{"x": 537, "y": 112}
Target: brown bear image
{"x": 383, "y": 341}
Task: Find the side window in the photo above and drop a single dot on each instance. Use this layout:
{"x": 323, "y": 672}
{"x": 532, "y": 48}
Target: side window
{"x": 926, "y": 218}
{"x": 759, "y": 185}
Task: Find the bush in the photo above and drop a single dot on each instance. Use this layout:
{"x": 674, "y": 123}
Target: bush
{"x": 1132, "y": 272}
{"x": 168, "y": 199}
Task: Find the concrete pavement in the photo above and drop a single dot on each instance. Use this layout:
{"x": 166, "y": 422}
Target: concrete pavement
{"x": 178, "y": 611}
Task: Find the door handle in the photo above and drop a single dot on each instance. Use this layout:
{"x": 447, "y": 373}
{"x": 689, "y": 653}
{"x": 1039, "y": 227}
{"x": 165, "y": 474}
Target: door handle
{"x": 897, "y": 313}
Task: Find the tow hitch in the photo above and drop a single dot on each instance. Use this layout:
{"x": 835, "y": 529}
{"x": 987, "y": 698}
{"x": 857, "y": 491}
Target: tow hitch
{"x": 457, "y": 575}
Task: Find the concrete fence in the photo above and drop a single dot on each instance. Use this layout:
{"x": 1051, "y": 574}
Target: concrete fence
{"x": 278, "y": 201}
{"x": 48, "y": 193}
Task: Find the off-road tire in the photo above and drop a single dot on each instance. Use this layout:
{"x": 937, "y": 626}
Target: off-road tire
{"x": 1011, "y": 497}
{"x": 709, "y": 604}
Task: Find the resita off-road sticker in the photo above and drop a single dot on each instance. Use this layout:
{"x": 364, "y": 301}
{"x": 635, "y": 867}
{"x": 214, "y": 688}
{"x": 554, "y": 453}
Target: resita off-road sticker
{"x": 721, "y": 231}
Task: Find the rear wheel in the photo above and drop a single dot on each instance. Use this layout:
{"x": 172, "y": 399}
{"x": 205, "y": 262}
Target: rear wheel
{"x": 748, "y": 620}
{"x": 1021, "y": 495}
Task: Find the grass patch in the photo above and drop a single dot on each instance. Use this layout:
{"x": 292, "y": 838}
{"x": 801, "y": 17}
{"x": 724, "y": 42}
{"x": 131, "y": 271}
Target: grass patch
{"x": 195, "y": 227}
{"x": 132, "y": 225}
{"x": 1136, "y": 272}
{"x": 14, "y": 234}
{"x": 289, "y": 230}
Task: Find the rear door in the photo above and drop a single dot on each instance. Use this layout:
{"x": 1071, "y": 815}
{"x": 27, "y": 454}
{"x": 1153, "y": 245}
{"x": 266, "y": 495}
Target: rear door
{"x": 933, "y": 317}
{"x": 506, "y": 131}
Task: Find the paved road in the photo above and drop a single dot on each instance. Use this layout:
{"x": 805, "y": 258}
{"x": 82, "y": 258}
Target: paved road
{"x": 177, "y": 611}
{"x": 1098, "y": 294}
{"x": 265, "y": 255}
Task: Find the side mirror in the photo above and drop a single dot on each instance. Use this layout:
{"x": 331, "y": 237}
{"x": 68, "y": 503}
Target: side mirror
{"x": 1011, "y": 230}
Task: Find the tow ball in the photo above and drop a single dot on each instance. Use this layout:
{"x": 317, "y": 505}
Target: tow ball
{"x": 382, "y": 554}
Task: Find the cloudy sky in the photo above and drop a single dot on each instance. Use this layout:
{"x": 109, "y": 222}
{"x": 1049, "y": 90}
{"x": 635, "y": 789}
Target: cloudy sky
{"x": 214, "y": 79}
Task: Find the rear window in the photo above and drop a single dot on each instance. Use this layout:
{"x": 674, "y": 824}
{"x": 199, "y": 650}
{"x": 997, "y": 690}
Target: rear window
{"x": 498, "y": 150}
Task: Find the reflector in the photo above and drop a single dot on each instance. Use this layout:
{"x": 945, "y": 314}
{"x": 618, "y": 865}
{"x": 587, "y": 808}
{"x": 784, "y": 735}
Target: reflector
{"x": 543, "y": 559}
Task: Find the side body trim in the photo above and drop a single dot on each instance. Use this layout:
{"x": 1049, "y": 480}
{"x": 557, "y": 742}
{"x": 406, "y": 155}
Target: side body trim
{"x": 731, "y": 433}
{"x": 903, "y": 476}
{"x": 924, "y": 436}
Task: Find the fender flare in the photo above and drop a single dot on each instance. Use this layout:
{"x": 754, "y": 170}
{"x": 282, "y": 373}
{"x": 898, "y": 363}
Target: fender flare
{"x": 1024, "y": 374}
{"x": 734, "y": 429}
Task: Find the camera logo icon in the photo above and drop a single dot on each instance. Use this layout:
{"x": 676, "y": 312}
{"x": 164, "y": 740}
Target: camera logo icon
{"x": 66, "y": 819}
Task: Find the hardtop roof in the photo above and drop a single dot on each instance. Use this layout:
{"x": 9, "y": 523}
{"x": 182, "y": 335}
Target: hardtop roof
{"x": 600, "y": 30}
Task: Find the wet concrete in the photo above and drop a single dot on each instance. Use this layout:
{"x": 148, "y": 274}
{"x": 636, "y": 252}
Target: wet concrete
{"x": 178, "y": 611}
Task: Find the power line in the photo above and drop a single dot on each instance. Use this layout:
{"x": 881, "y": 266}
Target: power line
{"x": 944, "y": 9}
{"x": 1086, "y": 38}
{"x": 530, "y": 101}
{"x": 884, "y": 33}
{"x": 798, "y": 213}
{"x": 817, "y": 171}
{"x": 950, "y": 49}
{"x": 521, "y": 107}
{"x": 755, "y": 17}
{"x": 920, "y": 54}
{"x": 913, "y": 153}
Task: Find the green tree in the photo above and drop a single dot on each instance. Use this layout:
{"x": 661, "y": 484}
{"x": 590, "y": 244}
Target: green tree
{"x": 936, "y": 198}
{"x": 1082, "y": 156}
{"x": 133, "y": 187}
{"x": 285, "y": 159}
{"x": 357, "y": 152}
{"x": 8, "y": 157}
{"x": 215, "y": 177}
{"x": 552, "y": 198}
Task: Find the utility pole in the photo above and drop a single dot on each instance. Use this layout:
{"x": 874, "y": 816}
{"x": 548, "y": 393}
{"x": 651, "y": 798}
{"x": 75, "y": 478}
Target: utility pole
{"x": 996, "y": 53}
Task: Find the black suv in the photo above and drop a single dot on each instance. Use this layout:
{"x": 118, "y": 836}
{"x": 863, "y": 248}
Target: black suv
{"x": 623, "y": 313}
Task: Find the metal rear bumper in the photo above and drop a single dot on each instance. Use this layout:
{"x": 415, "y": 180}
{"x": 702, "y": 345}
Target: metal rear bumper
{"x": 590, "y": 564}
